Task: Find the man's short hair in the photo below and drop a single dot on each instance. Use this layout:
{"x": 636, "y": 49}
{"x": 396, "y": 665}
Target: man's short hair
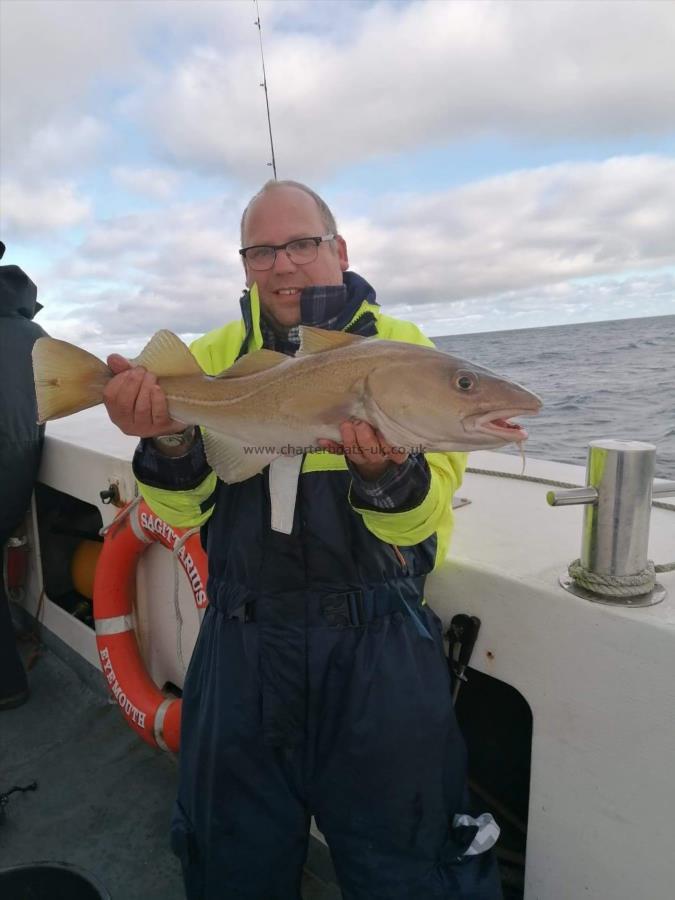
{"x": 327, "y": 216}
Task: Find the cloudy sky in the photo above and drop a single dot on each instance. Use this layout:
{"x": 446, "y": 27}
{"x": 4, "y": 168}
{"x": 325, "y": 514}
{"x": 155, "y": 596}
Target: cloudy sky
{"x": 491, "y": 164}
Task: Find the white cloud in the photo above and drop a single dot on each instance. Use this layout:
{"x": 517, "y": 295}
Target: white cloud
{"x": 552, "y": 304}
{"x": 52, "y": 54}
{"x": 41, "y": 208}
{"x": 58, "y": 147}
{"x": 418, "y": 74}
{"x": 156, "y": 183}
{"x": 520, "y": 230}
{"x": 95, "y": 89}
{"x": 508, "y": 249}
{"x": 347, "y": 81}
{"x": 62, "y": 59}
{"x": 171, "y": 268}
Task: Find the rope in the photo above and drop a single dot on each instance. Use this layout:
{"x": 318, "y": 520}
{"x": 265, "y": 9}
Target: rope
{"x": 605, "y": 585}
{"x": 122, "y": 516}
{"x": 614, "y": 585}
{"x": 658, "y": 504}
{"x": 178, "y": 546}
{"x": 519, "y": 477}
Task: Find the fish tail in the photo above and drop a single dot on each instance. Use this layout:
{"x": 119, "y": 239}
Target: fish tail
{"x": 67, "y": 378}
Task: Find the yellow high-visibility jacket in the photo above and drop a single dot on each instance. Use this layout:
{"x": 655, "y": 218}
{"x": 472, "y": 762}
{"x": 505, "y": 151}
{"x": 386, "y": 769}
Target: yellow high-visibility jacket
{"x": 430, "y": 520}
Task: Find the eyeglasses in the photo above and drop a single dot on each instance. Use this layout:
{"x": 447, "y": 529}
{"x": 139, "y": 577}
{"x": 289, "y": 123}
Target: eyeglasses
{"x": 300, "y": 251}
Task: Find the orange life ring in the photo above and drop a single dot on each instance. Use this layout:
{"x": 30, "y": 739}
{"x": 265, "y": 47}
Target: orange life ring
{"x": 155, "y": 717}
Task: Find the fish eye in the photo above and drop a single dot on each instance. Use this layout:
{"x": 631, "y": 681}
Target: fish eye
{"x": 466, "y": 381}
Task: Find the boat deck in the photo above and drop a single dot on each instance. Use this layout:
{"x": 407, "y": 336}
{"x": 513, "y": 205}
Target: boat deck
{"x": 588, "y": 682}
{"x": 104, "y": 797}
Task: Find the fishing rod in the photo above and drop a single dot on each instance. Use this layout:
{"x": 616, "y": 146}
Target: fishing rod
{"x": 263, "y": 84}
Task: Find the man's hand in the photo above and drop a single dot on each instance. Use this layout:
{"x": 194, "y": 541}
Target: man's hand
{"x": 365, "y": 448}
{"x": 135, "y": 402}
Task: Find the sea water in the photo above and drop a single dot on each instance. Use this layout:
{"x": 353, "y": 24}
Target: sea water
{"x": 597, "y": 380}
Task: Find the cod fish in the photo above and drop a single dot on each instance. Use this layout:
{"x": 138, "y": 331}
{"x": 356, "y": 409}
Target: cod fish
{"x": 268, "y": 405}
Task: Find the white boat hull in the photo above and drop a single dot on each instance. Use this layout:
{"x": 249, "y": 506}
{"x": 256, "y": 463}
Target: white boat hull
{"x": 598, "y": 679}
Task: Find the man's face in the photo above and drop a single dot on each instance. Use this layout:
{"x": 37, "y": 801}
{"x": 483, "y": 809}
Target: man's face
{"x": 284, "y": 214}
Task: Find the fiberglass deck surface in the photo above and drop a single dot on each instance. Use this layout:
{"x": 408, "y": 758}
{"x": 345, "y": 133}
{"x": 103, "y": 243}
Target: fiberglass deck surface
{"x": 104, "y": 797}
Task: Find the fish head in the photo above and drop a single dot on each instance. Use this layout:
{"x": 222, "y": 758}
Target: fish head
{"x": 437, "y": 401}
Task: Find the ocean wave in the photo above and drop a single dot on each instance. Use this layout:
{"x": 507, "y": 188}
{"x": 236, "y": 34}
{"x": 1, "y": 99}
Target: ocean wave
{"x": 549, "y": 354}
{"x": 630, "y": 346}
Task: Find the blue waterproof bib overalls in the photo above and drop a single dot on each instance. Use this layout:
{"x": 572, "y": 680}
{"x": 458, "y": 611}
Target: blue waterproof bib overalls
{"x": 318, "y": 686}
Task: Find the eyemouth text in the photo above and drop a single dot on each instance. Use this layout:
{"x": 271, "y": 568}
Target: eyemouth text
{"x": 130, "y": 711}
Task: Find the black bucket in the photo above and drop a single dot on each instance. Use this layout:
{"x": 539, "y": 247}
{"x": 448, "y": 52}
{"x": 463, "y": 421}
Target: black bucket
{"x": 50, "y": 881}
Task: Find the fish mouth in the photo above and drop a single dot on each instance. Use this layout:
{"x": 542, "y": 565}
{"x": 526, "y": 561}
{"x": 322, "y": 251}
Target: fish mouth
{"x": 497, "y": 424}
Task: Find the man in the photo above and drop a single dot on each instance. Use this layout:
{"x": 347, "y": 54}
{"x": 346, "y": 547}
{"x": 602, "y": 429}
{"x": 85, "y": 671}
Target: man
{"x": 20, "y": 446}
{"x": 318, "y": 685}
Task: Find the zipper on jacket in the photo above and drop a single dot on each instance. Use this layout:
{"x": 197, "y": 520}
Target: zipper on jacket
{"x": 355, "y": 323}
{"x": 400, "y": 557}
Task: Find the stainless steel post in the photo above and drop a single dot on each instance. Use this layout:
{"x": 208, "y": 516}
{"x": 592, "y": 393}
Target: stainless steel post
{"x": 617, "y": 500}
{"x": 616, "y": 528}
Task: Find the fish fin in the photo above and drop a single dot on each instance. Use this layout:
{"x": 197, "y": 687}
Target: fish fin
{"x": 67, "y": 378}
{"x": 226, "y": 457}
{"x": 252, "y": 363}
{"x": 165, "y": 355}
{"x": 319, "y": 340}
{"x": 325, "y": 407}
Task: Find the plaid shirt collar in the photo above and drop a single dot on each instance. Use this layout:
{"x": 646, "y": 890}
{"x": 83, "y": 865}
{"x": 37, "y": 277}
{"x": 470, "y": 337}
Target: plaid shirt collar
{"x": 323, "y": 306}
